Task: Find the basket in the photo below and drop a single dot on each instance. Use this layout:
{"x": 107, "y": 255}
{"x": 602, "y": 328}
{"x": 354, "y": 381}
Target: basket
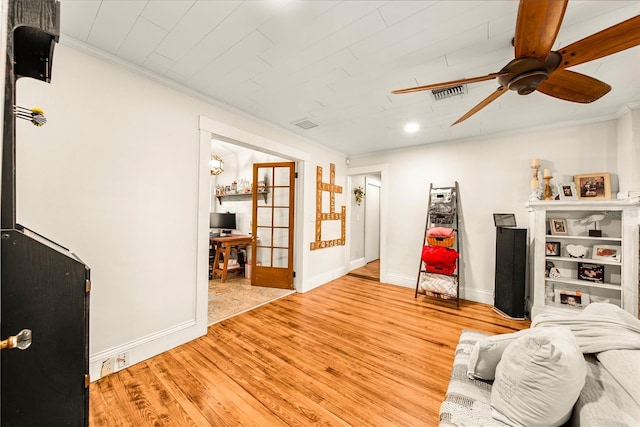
{"x": 442, "y": 218}
{"x": 445, "y": 242}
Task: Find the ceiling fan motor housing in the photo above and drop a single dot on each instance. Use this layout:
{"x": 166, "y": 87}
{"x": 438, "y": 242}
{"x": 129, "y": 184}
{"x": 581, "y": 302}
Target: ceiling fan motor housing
{"x": 526, "y": 83}
{"x": 525, "y": 74}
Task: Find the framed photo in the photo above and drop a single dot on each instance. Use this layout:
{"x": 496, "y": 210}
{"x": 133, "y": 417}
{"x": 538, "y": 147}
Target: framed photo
{"x": 593, "y": 186}
{"x": 567, "y": 191}
{"x": 608, "y": 252}
{"x": 552, "y": 249}
{"x": 571, "y": 295}
{"x": 591, "y": 272}
{"x": 558, "y": 226}
{"x": 574, "y": 299}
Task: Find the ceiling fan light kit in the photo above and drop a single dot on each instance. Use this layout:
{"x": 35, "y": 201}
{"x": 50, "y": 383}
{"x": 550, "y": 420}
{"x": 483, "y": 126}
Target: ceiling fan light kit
{"x": 537, "y": 67}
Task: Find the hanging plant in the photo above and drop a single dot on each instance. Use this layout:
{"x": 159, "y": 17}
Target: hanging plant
{"x": 359, "y": 193}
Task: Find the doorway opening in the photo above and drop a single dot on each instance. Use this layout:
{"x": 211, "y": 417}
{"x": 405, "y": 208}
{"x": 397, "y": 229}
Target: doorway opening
{"x": 366, "y": 226}
{"x": 230, "y": 193}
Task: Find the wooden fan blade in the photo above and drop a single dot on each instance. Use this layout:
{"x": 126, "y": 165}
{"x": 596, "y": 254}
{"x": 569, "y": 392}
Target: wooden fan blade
{"x": 537, "y": 27}
{"x": 488, "y": 100}
{"x": 574, "y": 87}
{"x": 614, "y": 39}
{"x": 449, "y": 84}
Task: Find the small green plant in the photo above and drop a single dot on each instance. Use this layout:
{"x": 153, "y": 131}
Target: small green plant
{"x": 359, "y": 193}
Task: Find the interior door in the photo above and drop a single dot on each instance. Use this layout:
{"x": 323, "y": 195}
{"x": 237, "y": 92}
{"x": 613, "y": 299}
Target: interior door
{"x": 272, "y": 225}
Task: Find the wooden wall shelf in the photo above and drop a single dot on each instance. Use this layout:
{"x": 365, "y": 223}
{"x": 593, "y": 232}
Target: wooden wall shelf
{"x": 241, "y": 196}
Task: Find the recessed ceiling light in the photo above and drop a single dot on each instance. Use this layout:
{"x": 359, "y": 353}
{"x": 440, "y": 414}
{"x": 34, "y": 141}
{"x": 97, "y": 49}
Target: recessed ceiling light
{"x": 412, "y": 127}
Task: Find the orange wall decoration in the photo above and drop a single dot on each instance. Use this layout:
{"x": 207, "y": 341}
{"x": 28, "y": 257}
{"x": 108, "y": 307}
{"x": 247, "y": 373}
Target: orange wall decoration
{"x": 332, "y": 215}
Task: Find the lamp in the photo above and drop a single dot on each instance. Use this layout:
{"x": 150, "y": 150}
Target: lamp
{"x": 216, "y": 164}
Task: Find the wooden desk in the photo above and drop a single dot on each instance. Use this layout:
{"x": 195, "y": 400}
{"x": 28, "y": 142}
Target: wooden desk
{"x": 223, "y": 246}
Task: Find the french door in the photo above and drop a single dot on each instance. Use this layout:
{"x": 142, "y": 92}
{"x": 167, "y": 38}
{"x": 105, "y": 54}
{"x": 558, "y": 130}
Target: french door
{"x": 272, "y": 226}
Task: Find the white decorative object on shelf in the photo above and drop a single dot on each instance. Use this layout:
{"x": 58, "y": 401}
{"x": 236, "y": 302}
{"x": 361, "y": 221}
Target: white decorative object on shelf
{"x": 554, "y": 273}
{"x": 577, "y": 251}
{"x": 593, "y": 219}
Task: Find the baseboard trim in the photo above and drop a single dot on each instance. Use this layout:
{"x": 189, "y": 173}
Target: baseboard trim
{"x": 321, "y": 279}
{"x": 148, "y": 346}
{"x": 357, "y": 263}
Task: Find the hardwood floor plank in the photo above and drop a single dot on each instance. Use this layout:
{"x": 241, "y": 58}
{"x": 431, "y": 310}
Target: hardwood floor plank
{"x": 353, "y": 352}
{"x": 171, "y": 375}
{"x": 325, "y": 373}
{"x": 230, "y": 401}
{"x": 274, "y": 386}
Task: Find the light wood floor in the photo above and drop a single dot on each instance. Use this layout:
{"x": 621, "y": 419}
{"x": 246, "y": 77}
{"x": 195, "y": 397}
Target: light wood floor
{"x": 351, "y": 352}
{"x": 371, "y": 271}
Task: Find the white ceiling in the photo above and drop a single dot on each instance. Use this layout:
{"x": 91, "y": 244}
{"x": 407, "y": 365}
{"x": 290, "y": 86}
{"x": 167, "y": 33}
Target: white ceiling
{"x": 335, "y": 63}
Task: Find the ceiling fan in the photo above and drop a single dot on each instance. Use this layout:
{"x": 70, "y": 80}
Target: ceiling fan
{"x": 537, "y": 67}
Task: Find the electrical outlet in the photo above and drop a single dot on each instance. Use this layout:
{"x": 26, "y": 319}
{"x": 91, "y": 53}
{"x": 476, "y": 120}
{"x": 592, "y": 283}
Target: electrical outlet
{"x": 123, "y": 359}
{"x": 107, "y": 367}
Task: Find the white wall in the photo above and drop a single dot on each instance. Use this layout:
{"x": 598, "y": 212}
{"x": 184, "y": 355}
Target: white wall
{"x": 629, "y": 152}
{"x": 119, "y": 175}
{"x": 494, "y": 175}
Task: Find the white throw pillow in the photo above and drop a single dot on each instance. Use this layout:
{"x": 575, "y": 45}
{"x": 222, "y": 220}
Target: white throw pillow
{"x": 487, "y": 352}
{"x": 539, "y": 379}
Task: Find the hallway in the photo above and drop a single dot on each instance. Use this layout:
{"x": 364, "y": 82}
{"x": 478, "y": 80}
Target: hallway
{"x": 371, "y": 271}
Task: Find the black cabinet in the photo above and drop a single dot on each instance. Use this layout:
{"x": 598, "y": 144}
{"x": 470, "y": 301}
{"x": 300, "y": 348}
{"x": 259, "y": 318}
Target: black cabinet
{"x": 511, "y": 271}
{"x": 45, "y": 288}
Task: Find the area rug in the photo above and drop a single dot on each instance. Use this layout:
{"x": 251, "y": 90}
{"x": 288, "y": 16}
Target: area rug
{"x": 237, "y": 296}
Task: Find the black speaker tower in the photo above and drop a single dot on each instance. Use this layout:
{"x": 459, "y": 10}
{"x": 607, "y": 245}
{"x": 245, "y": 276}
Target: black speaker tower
{"x": 511, "y": 271}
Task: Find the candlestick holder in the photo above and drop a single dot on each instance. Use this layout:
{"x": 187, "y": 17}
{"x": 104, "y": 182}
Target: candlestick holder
{"x": 535, "y": 169}
{"x": 535, "y": 183}
{"x": 548, "y": 194}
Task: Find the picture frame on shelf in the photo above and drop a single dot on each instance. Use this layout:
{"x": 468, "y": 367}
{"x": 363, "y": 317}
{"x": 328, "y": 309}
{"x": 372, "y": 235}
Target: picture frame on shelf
{"x": 567, "y": 191}
{"x": 571, "y": 295}
{"x": 607, "y": 252}
{"x": 575, "y": 299}
{"x": 552, "y": 249}
{"x": 558, "y": 226}
{"x": 591, "y": 272}
{"x": 593, "y": 186}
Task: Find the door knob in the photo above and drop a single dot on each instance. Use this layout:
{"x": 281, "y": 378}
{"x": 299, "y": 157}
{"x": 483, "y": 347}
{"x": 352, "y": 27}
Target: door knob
{"x": 21, "y": 341}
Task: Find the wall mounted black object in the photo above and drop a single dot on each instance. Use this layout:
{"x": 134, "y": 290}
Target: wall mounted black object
{"x": 511, "y": 272}
{"x": 44, "y": 287}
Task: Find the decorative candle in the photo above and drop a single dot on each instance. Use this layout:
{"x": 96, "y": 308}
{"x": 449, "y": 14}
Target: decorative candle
{"x": 535, "y": 161}
{"x": 547, "y": 173}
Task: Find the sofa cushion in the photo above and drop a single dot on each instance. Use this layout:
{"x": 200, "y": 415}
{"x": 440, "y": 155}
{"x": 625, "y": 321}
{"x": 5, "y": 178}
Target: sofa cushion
{"x": 624, "y": 367}
{"x": 538, "y": 379}
{"x": 467, "y": 402}
{"x": 487, "y": 352}
{"x": 603, "y": 401}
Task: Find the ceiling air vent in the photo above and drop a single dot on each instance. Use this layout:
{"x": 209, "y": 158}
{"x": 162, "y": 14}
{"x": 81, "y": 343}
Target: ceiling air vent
{"x": 448, "y": 92}
{"x": 305, "y": 124}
